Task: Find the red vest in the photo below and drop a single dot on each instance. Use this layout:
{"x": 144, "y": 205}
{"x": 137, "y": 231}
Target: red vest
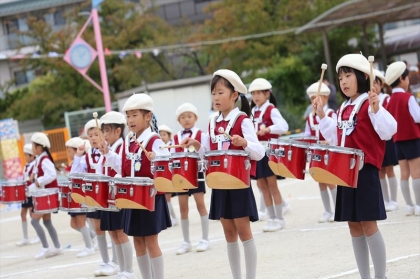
{"x": 145, "y": 163}
{"x": 54, "y": 183}
{"x": 236, "y": 130}
{"x": 398, "y": 106}
{"x": 267, "y": 121}
{"x": 363, "y": 136}
{"x": 111, "y": 171}
{"x": 95, "y": 159}
{"x": 176, "y": 141}
{"x": 315, "y": 121}
{"x": 28, "y": 172}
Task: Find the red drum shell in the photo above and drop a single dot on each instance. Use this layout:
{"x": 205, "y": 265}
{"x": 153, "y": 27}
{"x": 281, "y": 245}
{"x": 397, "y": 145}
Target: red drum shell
{"x": 292, "y": 158}
{"x": 135, "y": 193}
{"x": 13, "y": 191}
{"x": 45, "y": 201}
{"x": 185, "y": 167}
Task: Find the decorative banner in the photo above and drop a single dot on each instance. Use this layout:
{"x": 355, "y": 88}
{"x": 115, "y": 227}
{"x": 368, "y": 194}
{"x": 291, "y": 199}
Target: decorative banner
{"x": 8, "y": 129}
{"x": 9, "y": 149}
{"x": 80, "y": 55}
{"x": 12, "y": 169}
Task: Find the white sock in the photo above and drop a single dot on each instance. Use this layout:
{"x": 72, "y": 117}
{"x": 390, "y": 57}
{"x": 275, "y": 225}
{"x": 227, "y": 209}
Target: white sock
{"x": 416, "y": 190}
{"x": 157, "y": 267}
{"x": 279, "y": 211}
{"x": 378, "y": 253}
{"x": 171, "y": 210}
{"x": 145, "y": 266}
{"x": 114, "y": 253}
{"x": 25, "y": 229}
{"x": 325, "y": 197}
{"x": 127, "y": 250}
{"x": 384, "y": 187}
{"x": 205, "y": 226}
{"x": 334, "y": 196}
{"x": 86, "y": 237}
{"x": 103, "y": 248}
{"x": 120, "y": 256}
{"x": 185, "y": 226}
{"x": 361, "y": 253}
{"x": 262, "y": 203}
{"x": 271, "y": 212}
{"x": 250, "y": 251}
{"x": 406, "y": 192}
{"x": 234, "y": 256}
{"x": 393, "y": 188}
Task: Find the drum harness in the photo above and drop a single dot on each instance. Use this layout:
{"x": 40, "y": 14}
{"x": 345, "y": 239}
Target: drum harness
{"x": 350, "y": 123}
{"x": 113, "y": 148}
{"x": 315, "y": 127}
{"x": 136, "y": 156}
{"x": 220, "y": 138}
{"x": 193, "y": 135}
{"x": 382, "y": 98}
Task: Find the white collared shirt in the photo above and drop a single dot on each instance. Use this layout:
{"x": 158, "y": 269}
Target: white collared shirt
{"x": 112, "y": 155}
{"x": 255, "y": 149}
{"x": 382, "y": 121}
{"x": 280, "y": 125}
{"x": 413, "y": 107}
{"x": 204, "y": 137}
{"x": 80, "y": 165}
{"x": 308, "y": 128}
{"x": 50, "y": 173}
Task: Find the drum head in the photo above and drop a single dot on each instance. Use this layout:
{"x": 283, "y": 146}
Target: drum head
{"x": 226, "y": 152}
{"x": 319, "y": 146}
{"x": 161, "y": 158}
{"x": 96, "y": 177}
{"x": 77, "y": 175}
{"x": 184, "y": 155}
{"x": 10, "y": 183}
{"x": 140, "y": 181}
{"x": 345, "y": 150}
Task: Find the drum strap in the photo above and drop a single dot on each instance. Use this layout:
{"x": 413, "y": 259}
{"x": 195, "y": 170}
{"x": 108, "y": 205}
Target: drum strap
{"x": 92, "y": 164}
{"x": 221, "y": 138}
{"x": 382, "y": 98}
{"x": 315, "y": 127}
{"x": 349, "y": 124}
{"x": 193, "y": 136}
{"x": 114, "y": 148}
{"x": 136, "y": 156}
{"x": 262, "y": 112}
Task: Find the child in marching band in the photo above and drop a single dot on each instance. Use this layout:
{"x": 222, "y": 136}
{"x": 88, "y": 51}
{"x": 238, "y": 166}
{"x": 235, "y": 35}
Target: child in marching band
{"x": 113, "y": 125}
{"x": 89, "y": 161}
{"x": 187, "y": 116}
{"x": 166, "y": 135}
{"x": 143, "y": 225}
{"x": 268, "y": 124}
{"x": 312, "y": 129}
{"x": 390, "y": 157}
{"x": 404, "y": 108}
{"x": 44, "y": 176}
{"x": 362, "y": 124}
{"x": 27, "y": 206}
{"x": 234, "y": 208}
{"x": 78, "y": 219}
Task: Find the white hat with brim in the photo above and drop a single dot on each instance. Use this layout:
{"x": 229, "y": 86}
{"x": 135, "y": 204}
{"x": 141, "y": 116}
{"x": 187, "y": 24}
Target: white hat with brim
{"x": 313, "y": 90}
{"x": 379, "y": 75}
{"x": 27, "y": 148}
{"x": 394, "y": 71}
{"x": 165, "y": 129}
{"x": 138, "y": 101}
{"x": 41, "y": 139}
{"x": 91, "y": 124}
{"x": 233, "y": 78}
{"x": 259, "y": 84}
{"x": 186, "y": 107}
{"x": 355, "y": 61}
{"x": 113, "y": 117}
{"x": 74, "y": 142}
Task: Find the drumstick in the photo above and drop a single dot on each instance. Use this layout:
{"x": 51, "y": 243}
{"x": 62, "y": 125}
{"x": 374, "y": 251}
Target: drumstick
{"x": 222, "y": 131}
{"x": 95, "y": 115}
{"x": 171, "y": 146}
{"x": 371, "y": 77}
{"x": 323, "y": 68}
{"x": 131, "y": 136}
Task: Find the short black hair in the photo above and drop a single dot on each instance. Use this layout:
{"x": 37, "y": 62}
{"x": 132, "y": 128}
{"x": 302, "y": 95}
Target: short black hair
{"x": 397, "y": 81}
{"x": 363, "y": 83}
{"x": 115, "y": 126}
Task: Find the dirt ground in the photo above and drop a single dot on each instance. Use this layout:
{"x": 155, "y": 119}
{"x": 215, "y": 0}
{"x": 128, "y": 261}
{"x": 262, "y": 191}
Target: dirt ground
{"x": 304, "y": 249}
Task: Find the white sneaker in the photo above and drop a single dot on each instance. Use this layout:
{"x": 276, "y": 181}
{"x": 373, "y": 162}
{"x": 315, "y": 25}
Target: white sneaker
{"x": 109, "y": 244}
{"x": 267, "y": 227}
{"x": 325, "y": 217}
{"x": 52, "y": 252}
{"x": 95, "y": 243}
{"x": 34, "y": 240}
{"x": 42, "y": 254}
{"x": 174, "y": 222}
{"x": 106, "y": 269}
{"x": 203, "y": 245}
{"x": 278, "y": 224}
{"x": 262, "y": 216}
{"x": 128, "y": 275}
{"x": 331, "y": 220}
{"x": 22, "y": 242}
{"x": 417, "y": 210}
{"x": 185, "y": 247}
{"x": 286, "y": 208}
{"x": 391, "y": 206}
{"x": 86, "y": 252}
{"x": 409, "y": 210}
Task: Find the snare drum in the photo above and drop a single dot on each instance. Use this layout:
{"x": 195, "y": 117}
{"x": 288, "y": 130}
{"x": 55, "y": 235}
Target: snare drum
{"x": 185, "y": 167}
{"x": 96, "y": 187}
{"x": 162, "y": 174}
{"x": 336, "y": 165}
{"x": 135, "y": 193}
{"x": 13, "y": 191}
{"x": 272, "y": 156}
{"x": 45, "y": 201}
{"x": 66, "y": 202}
{"x": 292, "y": 158}
{"x": 77, "y": 193}
{"x": 307, "y": 139}
{"x": 227, "y": 169}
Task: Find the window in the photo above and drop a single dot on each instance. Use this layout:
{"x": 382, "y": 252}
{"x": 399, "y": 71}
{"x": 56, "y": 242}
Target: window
{"x": 59, "y": 18}
{"x": 23, "y": 77}
{"x": 12, "y": 26}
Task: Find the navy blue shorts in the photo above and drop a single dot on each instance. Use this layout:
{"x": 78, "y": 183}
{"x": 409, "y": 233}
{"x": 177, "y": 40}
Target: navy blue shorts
{"x": 390, "y": 157}
{"x": 28, "y": 203}
{"x": 408, "y": 149}
{"x": 200, "y": 189}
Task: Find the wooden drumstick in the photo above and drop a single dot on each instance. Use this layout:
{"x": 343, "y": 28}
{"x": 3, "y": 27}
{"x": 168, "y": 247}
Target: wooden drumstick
{"x": 371, "y": 77}
{"x": 131, "y": 136}
{"x": 222, "y": 131}
{"x": 95, "y": 115}
{"x": 323, "y": 68}
{"x": 171, "y": 146}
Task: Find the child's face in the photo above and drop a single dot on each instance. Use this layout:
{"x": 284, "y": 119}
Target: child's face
{"x": 187, "y": 120}
{"x": 223, "y": 98}
{"x": 71, "y": 152}
{"x": 111, "y": 134}
{"x": 324, "y": 99}
{"x": 259, "y": 97}
{"x": 93, "y": 136}
{"x": 28, "y": 157}
{"x": 378, "y": 85}
{"x": 36, "y": 149}
{"x": 348, "y": 84}
{"x": 164, "y": 136}
{"x": 138, "y": 121}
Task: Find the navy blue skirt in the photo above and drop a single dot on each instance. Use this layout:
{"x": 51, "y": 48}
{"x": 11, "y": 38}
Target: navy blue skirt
{"x": 200, "y": 189}
{"x": 408, "y": 149}
{"x": 138, "y": 222}
{"x": 263, "y": 169}
{"x": 390, "y": 157}
{"x": 231, "y": 204}
{"x": 28, "y": 203}
{"x": 112, "y": 220}
{"x": 94, "y": 215}
{"x": 74, "y": 214}
{"x": 364, "y": 203}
